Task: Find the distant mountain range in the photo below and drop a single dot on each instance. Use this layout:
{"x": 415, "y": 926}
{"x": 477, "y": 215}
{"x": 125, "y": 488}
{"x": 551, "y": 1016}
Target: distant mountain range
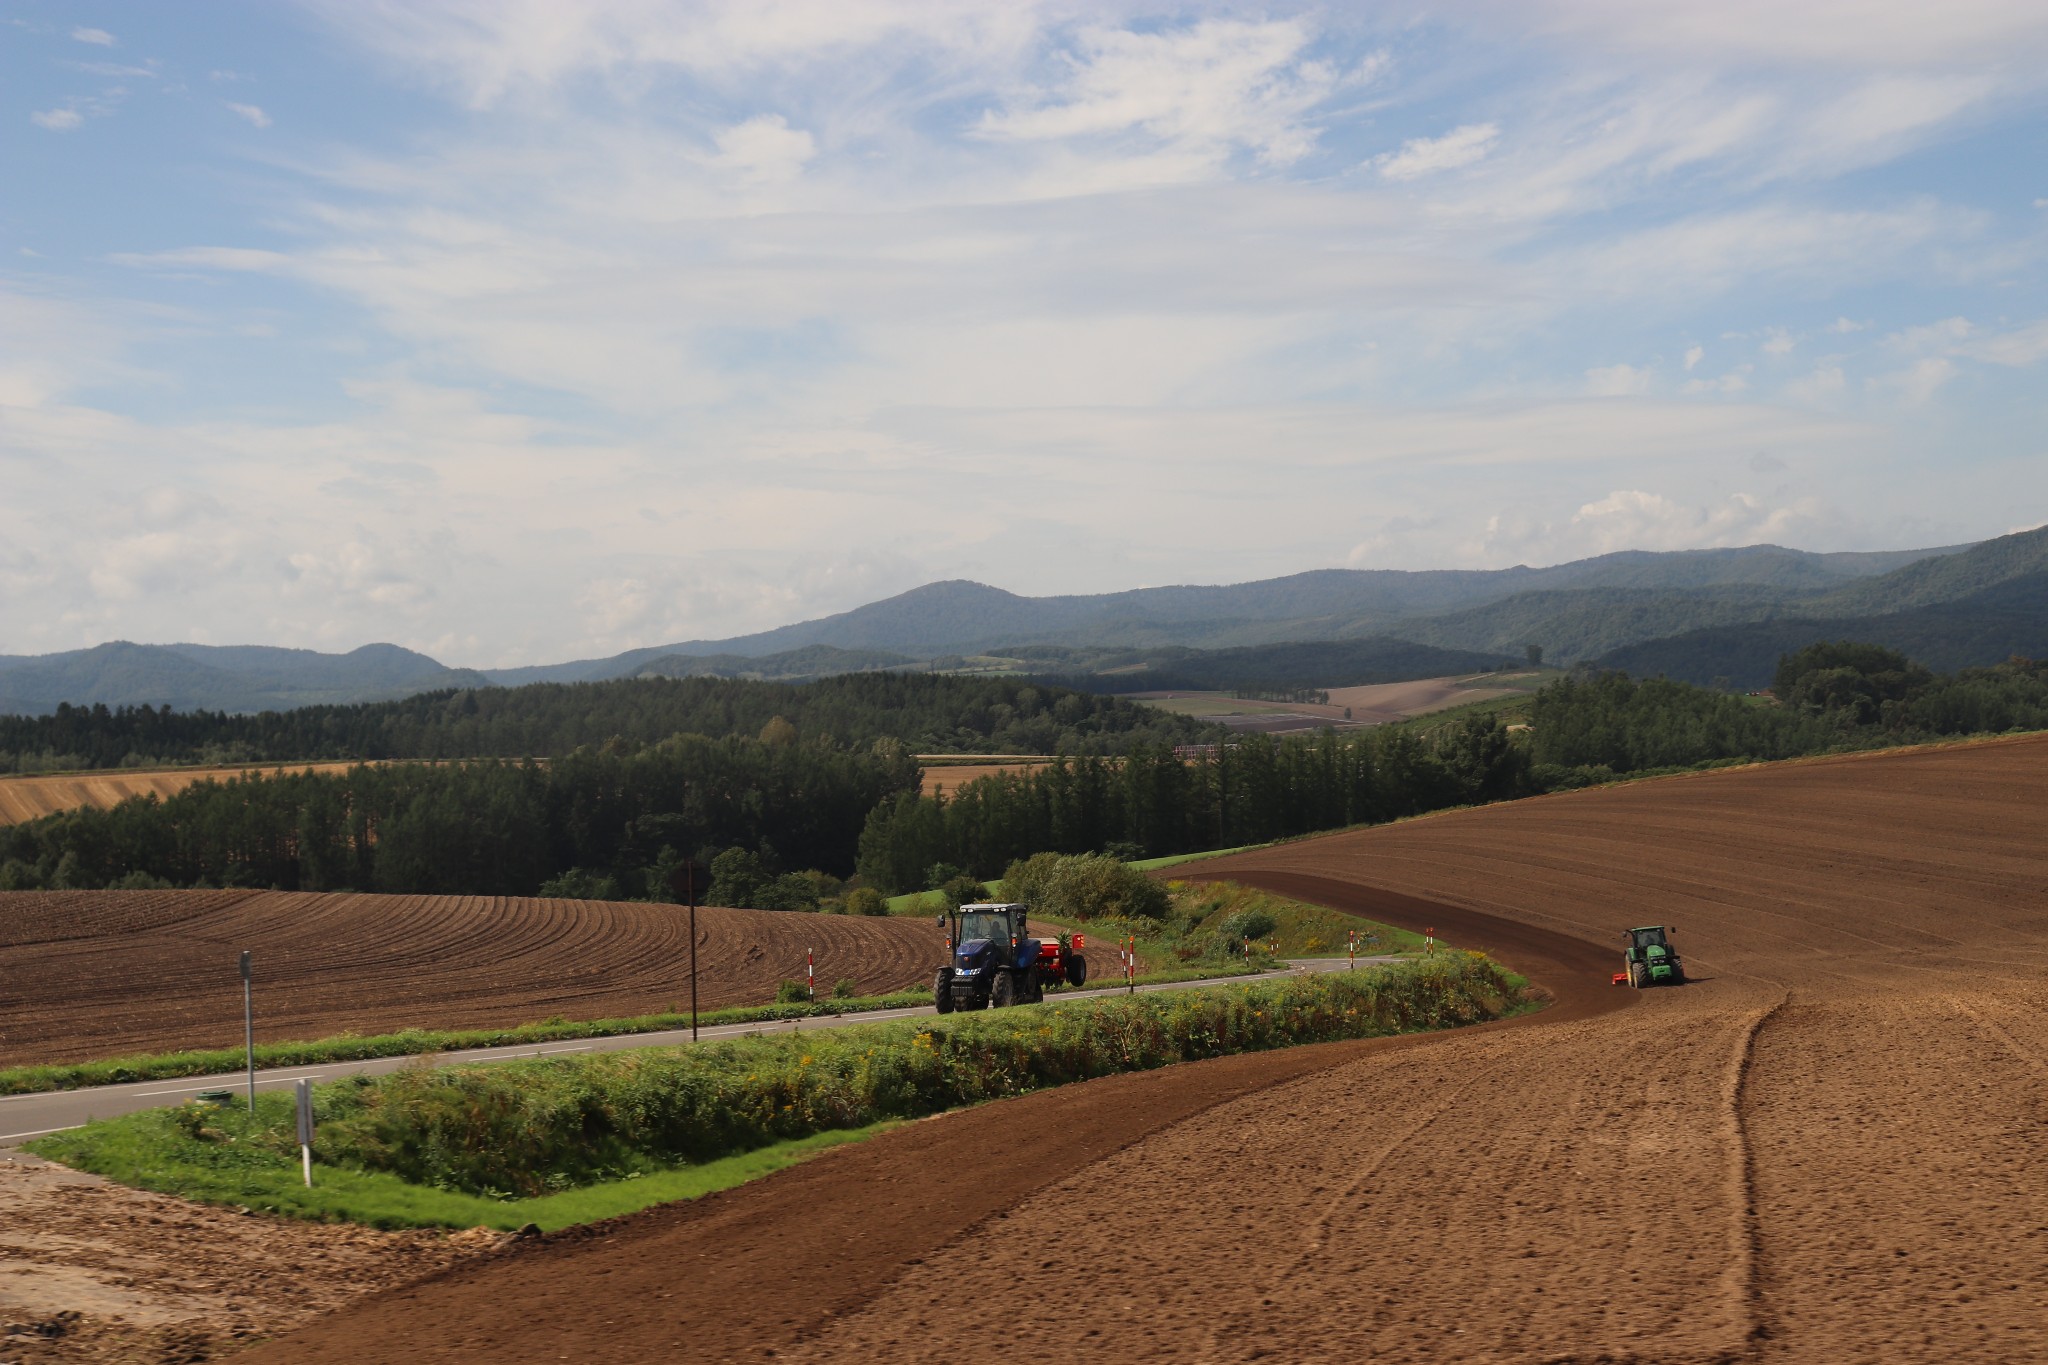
{"x": 1700, "y": 614}
{"x": 219, "y": 678}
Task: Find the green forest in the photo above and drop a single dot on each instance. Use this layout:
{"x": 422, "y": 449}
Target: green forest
{"x": 784, "y": 816}
{"x": 927, "y": 713}
{"x": 619, "y": 813}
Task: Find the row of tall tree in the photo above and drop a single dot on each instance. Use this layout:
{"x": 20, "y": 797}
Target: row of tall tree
{"x": 1151, "y": 803}
{"x": 784, "y": 816}
{"x": 621, "y": 813}
{"x": 928, "y": 713}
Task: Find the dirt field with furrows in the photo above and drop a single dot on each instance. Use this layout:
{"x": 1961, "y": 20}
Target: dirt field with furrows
{"x": 105, "y": 973}
{"x": 1825, "y": 1148}
{"x": 31, "y": 798}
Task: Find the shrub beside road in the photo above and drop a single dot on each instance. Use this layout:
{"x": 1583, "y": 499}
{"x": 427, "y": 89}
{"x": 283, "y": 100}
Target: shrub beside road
{"x": 500, "y": 1136}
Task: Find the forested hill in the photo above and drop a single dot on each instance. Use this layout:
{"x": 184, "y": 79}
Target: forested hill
{"x": 928, "y": 713}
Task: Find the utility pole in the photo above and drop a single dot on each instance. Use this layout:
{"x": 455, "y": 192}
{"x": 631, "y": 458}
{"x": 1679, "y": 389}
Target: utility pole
{"x": 249, "y": 1028}
{"x": 683, "y": 881}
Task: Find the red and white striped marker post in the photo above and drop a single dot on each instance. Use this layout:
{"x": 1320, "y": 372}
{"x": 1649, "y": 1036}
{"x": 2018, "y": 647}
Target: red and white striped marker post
{"x": 1354, "y": 952}
{"x": 1429, "y": 940}
{"x": 1131, "y": 963}
{"x": 811, "y": 971}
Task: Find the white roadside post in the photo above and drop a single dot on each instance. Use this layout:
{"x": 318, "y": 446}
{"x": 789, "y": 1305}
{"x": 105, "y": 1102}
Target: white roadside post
{"x": 249, "y": 1029}
{"x": 306, "y": 1129}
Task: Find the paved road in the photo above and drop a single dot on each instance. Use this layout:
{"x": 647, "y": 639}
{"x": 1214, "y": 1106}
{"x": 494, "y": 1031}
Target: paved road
{"x": 26, "y": 1116}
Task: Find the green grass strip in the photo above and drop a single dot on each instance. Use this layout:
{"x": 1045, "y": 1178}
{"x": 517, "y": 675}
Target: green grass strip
{"x": 153, "y": 1151}
{"x": 411, "y": 1147}
{"x": 349, "y": 1047}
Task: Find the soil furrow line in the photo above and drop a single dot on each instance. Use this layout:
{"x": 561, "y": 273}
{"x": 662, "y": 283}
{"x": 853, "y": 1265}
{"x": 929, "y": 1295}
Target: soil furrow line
{"x": 1746, "y": 1289}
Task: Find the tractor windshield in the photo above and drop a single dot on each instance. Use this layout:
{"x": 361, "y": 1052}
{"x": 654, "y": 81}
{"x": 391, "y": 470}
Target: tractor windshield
{"x": 1651, "y": 938}
{"x": 989, "y": 924}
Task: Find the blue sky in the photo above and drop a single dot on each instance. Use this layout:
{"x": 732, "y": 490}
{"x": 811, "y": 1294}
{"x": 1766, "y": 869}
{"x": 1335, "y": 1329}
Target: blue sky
{"x": 514, "y": 330}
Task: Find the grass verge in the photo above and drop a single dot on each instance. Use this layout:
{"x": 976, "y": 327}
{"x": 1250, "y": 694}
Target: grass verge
{"x": 349, "y": 1047}
{"x": 408, "y": 1148}
{"x": 243, "y": 1167}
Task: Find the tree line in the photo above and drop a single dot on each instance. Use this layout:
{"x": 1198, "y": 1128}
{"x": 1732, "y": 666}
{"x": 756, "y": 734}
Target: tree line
{"x": 1151, "y": 802}
{"x": 622, "y": 814}
{"x": 1826, "y": 697}
{"x": 784, "y": 817}
{"x": 929, "y": 713}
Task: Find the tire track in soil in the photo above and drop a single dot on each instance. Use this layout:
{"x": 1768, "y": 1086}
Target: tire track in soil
{"x": 757, "y": 1271}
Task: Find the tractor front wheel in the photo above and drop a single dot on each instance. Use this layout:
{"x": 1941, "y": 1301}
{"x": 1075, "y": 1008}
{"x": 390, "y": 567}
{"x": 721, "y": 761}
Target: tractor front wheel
{"x": 1635, "y": 975}
{"x": 1004, "y": 992}
{"x": 942, "y": 992}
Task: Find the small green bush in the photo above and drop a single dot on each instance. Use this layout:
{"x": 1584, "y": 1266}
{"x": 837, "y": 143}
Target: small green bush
{"x": 792, "y": 993}
{"x": 1251, "y": 922}
{"x": 865, "y": 900}
{"x": 1085, "y": 886}
{"x": 845, "y": 988}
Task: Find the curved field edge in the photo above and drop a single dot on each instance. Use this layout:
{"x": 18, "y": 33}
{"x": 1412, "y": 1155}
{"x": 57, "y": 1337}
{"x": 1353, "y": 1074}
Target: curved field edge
{"x": 50, "y": 1077}
{"x": 594, "y": 1136}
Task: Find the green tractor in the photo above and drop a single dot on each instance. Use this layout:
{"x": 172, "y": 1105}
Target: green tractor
{"x": 1650, "y": 959}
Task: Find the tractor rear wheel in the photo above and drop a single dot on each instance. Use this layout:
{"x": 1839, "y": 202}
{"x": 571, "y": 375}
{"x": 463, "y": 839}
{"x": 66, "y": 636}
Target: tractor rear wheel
{"x": 1077, "y": 970}
{"x": 1004, "y": 992}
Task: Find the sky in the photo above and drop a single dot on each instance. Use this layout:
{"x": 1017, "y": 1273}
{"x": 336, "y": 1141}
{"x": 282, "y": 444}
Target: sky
{"x": 515, "y": 331}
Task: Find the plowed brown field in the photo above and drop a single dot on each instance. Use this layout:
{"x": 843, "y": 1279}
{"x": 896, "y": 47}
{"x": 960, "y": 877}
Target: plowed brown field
{"x": 1825, "y": 1149}
{"x": 31, "y": 798}
{"x": 103, "y": 973}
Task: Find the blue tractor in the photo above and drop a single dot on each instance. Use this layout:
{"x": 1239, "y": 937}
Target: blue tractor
{"x": 990, "y": 960}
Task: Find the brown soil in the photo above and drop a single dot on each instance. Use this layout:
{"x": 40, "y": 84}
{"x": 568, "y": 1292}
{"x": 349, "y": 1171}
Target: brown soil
{"x": 1824, "y": 1149}
{"x": 106, "y": 973}
{"x": 90, "y": 1271}
{"x": 30, "y": 798}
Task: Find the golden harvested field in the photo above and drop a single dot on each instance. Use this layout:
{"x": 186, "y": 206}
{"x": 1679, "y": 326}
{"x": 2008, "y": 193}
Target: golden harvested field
{"x": 32, "y": 797}
{"x": 951, "y": 778}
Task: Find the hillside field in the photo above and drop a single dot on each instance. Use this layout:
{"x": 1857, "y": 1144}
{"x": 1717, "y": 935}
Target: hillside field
{"x": 96, "y": 974}
{"x": 1824, "y": 1148}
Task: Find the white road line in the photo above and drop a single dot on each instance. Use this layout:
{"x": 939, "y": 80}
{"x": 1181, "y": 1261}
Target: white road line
{"x": 9, "y": 1137}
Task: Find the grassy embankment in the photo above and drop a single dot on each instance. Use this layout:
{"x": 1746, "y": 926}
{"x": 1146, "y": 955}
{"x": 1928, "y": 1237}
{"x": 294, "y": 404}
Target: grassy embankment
{"x": 565, "y": 1140}
{"x": 349, "y": 1047}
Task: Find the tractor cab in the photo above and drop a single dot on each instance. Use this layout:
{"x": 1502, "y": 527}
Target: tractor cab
{"x": 1650, "y": 959}
{"x": 992, "y": 960}
{"x": 979, "y": 937}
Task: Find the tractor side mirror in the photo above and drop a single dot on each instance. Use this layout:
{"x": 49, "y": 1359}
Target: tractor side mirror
{"x": 940, "y": 921}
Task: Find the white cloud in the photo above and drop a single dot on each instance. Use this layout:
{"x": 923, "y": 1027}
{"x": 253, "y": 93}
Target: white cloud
{"x": 1614, "y": 381}
{"x": 1777, "y": 341}
{"x": 1886, "y": 34}
{"x": 252, "y": 113}
{"x": 763, "y": 149}
{"x": 1213, "y": 86}
{"x": 1630, "y": 519}
{"x": 1693, "y": 356}
{"x": 99, "y": 37}
{"x": 1843, "y": 326}
{"x": 1423, "y": 156}
{"x": 1918, "y": 382}
{"x": 57, "y": 120}
{"x": 2020, "y": 346}
{"x": 1825, "y": 383}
